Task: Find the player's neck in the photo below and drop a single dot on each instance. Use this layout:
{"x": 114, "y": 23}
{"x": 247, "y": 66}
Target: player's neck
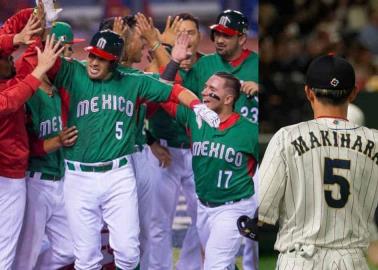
{"x": 235, "y": 56}
{"x": 331, "y": 111}
{"x": 225, "y": 114}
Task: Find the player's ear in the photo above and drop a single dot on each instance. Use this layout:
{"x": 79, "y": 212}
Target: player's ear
{"x": 229, "y": 100}
{"x": 353, "y": 94}
{"x": 242, "y": 39}
{"x": 309, "y": 94}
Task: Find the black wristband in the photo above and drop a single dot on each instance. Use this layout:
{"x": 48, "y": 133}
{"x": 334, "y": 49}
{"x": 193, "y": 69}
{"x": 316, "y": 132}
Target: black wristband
{"x": 170, "y": 71}
{"x": 149, "y": 137}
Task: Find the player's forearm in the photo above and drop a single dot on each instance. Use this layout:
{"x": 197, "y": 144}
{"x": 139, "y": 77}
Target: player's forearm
{"x": 52, "y": 144}
{"x": 187, "y": 98}
{"x": 162, "y": 56}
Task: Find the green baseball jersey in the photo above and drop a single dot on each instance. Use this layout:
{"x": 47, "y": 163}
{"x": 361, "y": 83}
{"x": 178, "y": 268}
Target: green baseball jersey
{"x": 104, "y": 110}
{"x": 140, "y": 135}
{"x": 163, "y": 126}
{"x": 224, "y": 158}
{"x": 207, "y": 65}
{"x": 46, "y": 122}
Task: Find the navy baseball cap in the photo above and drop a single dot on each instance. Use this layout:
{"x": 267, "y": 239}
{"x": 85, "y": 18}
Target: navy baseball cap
{"x": 330, "y": 72}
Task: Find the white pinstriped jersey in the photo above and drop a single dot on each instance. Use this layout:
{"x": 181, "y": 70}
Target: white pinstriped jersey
{"x": 320, "y": 180}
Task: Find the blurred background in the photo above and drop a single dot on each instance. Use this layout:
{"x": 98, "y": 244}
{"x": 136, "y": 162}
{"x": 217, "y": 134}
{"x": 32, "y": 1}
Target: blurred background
{"x": 291, "y": 34}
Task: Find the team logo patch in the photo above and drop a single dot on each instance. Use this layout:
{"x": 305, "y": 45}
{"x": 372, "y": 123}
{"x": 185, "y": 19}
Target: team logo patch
{"x": 334, "y": 82}
{"x": 101, "y": 43}
{"x": 224, "y": 20}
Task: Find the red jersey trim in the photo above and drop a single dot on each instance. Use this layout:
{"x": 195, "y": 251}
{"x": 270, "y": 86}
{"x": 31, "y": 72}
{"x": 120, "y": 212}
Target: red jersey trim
{"x": 230, "y": 121}
{"x": 242, "y": 57}
{"x": 251, "y": 165}
{"x": 65, "y": 106}
{"x": 176, "y": 91}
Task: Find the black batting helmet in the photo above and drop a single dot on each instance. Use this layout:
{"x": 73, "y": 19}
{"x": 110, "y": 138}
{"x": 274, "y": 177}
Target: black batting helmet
{"x": 230, "y": 22}
{"x": 107, "y": 45}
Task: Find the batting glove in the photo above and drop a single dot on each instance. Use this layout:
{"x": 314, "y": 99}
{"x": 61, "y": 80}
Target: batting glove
{"x": 51, "y": 12}
{"x": 204, "y": 113}
{"x": 248, "y": 227}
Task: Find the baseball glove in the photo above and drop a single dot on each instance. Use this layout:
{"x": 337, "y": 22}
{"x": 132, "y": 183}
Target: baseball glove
{"x": 248, "y": 227}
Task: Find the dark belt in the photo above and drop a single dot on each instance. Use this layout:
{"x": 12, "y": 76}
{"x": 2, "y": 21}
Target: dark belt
{"x": 46, "y": 176}
{"x": 213, "y": 204}
{"x": 97, "y": 168}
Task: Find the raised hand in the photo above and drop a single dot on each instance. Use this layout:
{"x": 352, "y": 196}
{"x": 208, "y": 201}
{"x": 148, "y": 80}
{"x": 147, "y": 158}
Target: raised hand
{"x": 147, "y": 29}
{"x": 171, "y": 30}
{"x": 120, "y": 27}
{"x": 32, "y": 27}
{"x": 47, "y": 58}
{"x": 249, "y": 88}
{"x": 180, "y": 51}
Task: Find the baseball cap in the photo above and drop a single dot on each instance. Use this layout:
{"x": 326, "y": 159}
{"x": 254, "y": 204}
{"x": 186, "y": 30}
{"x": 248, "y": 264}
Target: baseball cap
{"x": 330, "y": 72}
{"x": 231, "y": 22}
{"x": 64, "y": 32}
{"x": 107, "y": 45}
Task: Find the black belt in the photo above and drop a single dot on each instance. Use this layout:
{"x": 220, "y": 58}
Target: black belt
{"x": 46, "y": 176}
{"x": 213, "y": 204}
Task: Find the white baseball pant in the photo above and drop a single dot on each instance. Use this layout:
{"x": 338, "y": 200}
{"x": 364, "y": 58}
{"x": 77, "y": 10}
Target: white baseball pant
{"x": 96, "y": 197}
{"x": 45, "y": 215}
{"x": 167, "y": 184}
{"x": 323, "y": 259}
{"x": 142, "y": 167}
{"x": 251, "y": 248}
{"x": 12, "y": 207}
{"x": 219, "y": 234}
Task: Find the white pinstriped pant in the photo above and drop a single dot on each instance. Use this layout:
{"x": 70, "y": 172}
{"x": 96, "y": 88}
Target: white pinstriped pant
{"x": 324, "y": 259}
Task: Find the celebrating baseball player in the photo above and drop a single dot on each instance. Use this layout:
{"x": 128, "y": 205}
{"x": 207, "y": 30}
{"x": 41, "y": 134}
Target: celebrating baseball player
{"x": 99, "y": 179}
{"x": 223, "y": 169}
{"x": 45, "y": 213}
{"x": 229, "y": 36}
{"x": 16, "y": 88}
{"x": 133, "y": 53}
{"x": 319, "y": 179}
{"x": 177, "y": 177}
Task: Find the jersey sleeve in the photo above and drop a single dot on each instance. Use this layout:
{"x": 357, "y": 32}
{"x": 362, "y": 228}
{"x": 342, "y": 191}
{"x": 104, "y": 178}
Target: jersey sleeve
{"x": 63, "y": 73}
{"x": 14, "y": 96}
{"x": 154, "y": 90}
{"x": 272, "y": 180}
{"x": 185, "y": 116}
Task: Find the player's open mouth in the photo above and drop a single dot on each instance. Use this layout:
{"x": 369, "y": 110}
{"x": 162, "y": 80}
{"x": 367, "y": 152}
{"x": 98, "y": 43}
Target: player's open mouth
{"x": 93, "y": 71}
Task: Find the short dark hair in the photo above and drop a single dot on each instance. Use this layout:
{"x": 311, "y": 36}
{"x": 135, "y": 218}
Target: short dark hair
{"x": 130, "y": 20}
{"x": 107, "y": 23}
{"x": 330, "y": 96}
{"x": 231, "y": 82}
{"x": 188, "y": 17}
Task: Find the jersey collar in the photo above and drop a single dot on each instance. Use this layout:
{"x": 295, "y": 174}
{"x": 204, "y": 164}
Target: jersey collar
{"x": 244, "y": 55}
{"x": 229, "y": 122}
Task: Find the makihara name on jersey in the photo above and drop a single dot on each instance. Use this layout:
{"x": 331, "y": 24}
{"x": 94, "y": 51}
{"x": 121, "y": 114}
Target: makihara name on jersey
{"x": 335, "y": 139}
{"x": 217, "y": 150}
{"x": 108, "y": 102}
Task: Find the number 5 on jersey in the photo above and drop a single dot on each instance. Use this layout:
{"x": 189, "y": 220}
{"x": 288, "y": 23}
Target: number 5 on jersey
{"x": 119, "y": 130}
{"x": 330, "y": 178}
